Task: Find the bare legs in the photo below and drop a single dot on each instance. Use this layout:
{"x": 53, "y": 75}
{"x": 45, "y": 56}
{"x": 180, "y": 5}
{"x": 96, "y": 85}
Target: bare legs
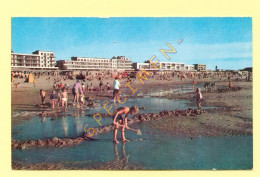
{"x": 122, "y": 133}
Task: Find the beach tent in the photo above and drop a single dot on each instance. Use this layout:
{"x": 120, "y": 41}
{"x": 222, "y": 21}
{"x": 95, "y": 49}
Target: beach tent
{"x": 31, "y": 78}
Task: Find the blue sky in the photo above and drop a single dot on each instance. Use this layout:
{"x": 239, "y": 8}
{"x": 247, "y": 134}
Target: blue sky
{"x": 226, "y": 42}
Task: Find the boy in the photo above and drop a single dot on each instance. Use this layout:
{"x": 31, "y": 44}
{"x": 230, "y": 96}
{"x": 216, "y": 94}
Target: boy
{"x": 53, "y": 98}
{"x": 119, "y": 121}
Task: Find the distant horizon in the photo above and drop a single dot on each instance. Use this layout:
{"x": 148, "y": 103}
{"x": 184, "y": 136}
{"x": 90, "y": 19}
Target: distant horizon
{"x": 225, "y": 42}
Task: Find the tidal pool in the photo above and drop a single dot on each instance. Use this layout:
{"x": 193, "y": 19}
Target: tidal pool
{"x": 71, "y": 124}
{"x": 150, "y": 151}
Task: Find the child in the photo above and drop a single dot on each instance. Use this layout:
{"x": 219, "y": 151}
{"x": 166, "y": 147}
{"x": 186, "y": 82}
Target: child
{"x": 119, "y": 121}
{"x": 82, "y": 99}
{"x": 42, "y": 95}
{"x": 53, "y": 98}
{"x": 198, "y": 96}
{"x": 59, "y": 98}
{"x": 64, "y": 98}
{"x": 83, "y": 88}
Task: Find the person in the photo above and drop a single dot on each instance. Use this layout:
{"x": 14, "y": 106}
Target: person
{"x": 53, "y": 98}
{"x": 206, "y": 86}
{"x": 229, "y": 84}
{"x": 108, "y": 88}
{"x": 59, "y": 98}
{"x": 42, "y": 95}
{"x": 61, "y": 86}
{"x": 116, "y": 85}
{"x": 100, "y": 85}
{"x": 34, "y": 82}
{"x": 76, "y": 91}
{"x": 193, "y": 85}
{"x": 198, "y": 96}
{"x": 83, "y": 88}
{"x": 213, "y": 86}
{"x": 91, "y": 87}
{"x": 82, "y": 99}
{"x": 119, "y": 121}
{"x": 64, "y": 98}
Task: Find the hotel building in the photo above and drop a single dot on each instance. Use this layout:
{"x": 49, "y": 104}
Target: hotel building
{"x": 37, "y": 60}
{"x": 165, "y": 66}
{"x": 86, "y": 63}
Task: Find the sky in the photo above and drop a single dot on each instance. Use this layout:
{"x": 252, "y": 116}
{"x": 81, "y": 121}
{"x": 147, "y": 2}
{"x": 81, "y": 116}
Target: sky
{"x": 214, "y": 41}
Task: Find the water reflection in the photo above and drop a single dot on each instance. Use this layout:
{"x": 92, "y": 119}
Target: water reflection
{"x": 78, "y": 126}
{"x": 123, "y": 160}
{"x": 65, "y": 126}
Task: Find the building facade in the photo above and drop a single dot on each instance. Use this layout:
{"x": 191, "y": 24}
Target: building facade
{"x": 47, "y": 59}
{"x": 86, "y": 63}
{"x": 165, "y": 66}
{"x": 200, "y": 67}
{"x": 36, "y": 60}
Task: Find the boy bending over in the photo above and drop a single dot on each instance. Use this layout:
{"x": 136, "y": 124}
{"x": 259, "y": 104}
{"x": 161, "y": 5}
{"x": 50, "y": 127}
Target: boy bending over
{"x": 119, "y": 121}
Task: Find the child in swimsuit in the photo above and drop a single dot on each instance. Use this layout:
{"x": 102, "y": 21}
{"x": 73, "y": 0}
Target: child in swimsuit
{"x": 119, "y": 121}
{"x": 64, "y": 98}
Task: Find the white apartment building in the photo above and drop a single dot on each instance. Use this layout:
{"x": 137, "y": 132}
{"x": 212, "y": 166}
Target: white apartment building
{"x": 25, "y": 60}
{"x": 36, "y": 60}
{"x": 47, "y": 59}
{"x": 165, "y": 66}
{"x": 87, "y": 63}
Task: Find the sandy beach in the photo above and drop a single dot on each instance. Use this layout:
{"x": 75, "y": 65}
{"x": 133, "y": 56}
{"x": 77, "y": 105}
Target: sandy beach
{"x": 230, "y": 113}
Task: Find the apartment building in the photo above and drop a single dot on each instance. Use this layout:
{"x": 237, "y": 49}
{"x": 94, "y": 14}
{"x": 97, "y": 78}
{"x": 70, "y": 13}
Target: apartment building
{"x": 25, "y": 60}
{"x": 47, "y": 58}
{"x": 165, "y": 66}
{"x": 87, "y": 63}
{"x": 37, "y": 60}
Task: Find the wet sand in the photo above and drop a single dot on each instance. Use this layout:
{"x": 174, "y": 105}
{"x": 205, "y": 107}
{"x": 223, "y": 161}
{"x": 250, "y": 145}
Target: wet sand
{"x": 232, "y": 115}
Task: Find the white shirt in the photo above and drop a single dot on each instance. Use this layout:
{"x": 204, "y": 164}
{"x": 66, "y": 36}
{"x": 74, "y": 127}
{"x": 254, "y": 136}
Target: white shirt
{"x": 116, "y": 84}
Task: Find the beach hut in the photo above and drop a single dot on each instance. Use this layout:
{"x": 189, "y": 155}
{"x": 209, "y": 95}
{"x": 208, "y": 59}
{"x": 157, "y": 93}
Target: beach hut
{"x": 31, "y": 78}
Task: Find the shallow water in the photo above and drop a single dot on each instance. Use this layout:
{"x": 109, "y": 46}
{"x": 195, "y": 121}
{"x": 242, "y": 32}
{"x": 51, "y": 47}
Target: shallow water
{"x": 154, "y": 151}
{"x": 71, "y": 124}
